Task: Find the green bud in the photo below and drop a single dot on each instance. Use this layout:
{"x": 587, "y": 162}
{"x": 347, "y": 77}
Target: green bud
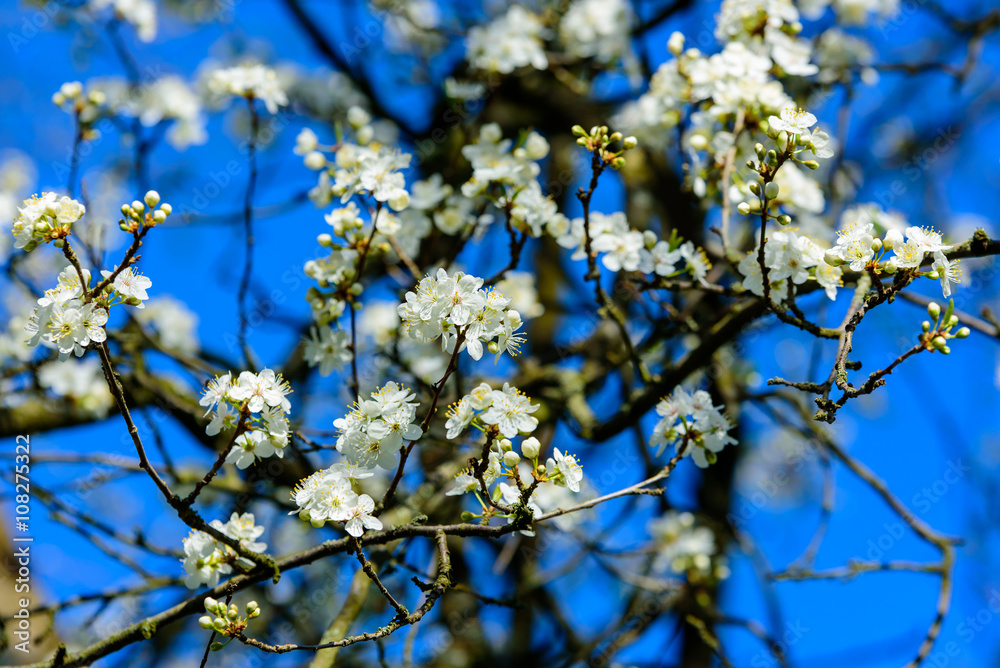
{"x": 582, "y": 141}
{"x": 934, "y": 310}
{"x": 618, "y": 162}
{"x": 467, "y": 516}
{"x": 616, "y": 136}
{"x": 205, "y": 622}
{"x": 811, "y": 164}
{"x": 216, "y": 646}
{"x": 939, "y": 343}
{"x": 890, "y": 267}
{"x": 784, "y": 219}
{"x": 59, "y": 243}
{"x": 833, "y": 260}
{"x": 630, "y": 143}
{"x": 952, "y": 321}
{"x": 962, "y": 333}
{"x": 251, "y": 608}
{"x": 234, "y": 612}
{"x": 759, "y": 150}
{"x": 126, "y": 210}
{"x": 752, "y": 165}
{"x": 754, "y": 187}
{"x": 578, "y": 130}
{"x": 211, "y": 604}
{"x": 925, "y": 325}
{"x": 771, "y": 158}
{"x": 220, "y": 624}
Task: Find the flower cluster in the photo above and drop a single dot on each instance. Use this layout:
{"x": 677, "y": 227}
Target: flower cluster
{"x": 508, "y": 409}
{"x": 683, "y": 546}
{"x": 44, "y": 218}
{"x": 140, "y": 13}
{"x": 456, "y": 308}
{"x": 693, "y": 425}
{"x": 509, "y": 42}
{"x": 252, "y": 81}
{"x": 64, "y": 321}
{"x": 328, "y": 348}
{"x": 326, "y": 496}
{"x": 371, "y": 170}
{"x": 373, "y": 432}
{"x": 598, "y": 29}
{"x": 790, "y": 258}
{"x": 205, "y": 558}
{"x": 257, "y": 406}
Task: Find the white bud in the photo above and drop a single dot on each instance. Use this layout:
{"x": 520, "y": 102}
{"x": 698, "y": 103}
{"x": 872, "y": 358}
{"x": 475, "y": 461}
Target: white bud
{"x": 166, "y": 208}
{"x": 934, "y": 310}
{"x": 743, "y": 208}
{"x": 152, "y": 198}
{"x": 530, "y": 447}
{"x": 676, "y": 43}
{"x": 205, "y": 622}
{"x": 876, "y": 244}
{"x": 890, "y": 267}
{"x": 315, "y": 160}
{"x": 511, "y": 459}
{"x": 358, "y": 117}
{"x": 772, "y": 190}
{"x": 138, "y": 207}
{"x": 962, "y": 333}
{"x": 365, "y": 135}
{"x": 832, "y": 259}
{"x": 629, "y": 143}
{"x": 698, "y": 142}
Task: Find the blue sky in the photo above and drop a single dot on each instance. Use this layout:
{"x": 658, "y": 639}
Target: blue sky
{"x": 936, "y": 415}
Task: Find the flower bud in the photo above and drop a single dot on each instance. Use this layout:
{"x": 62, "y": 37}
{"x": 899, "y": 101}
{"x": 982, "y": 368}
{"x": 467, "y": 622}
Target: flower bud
{"x": 151, "y": 199}
{"x": 743, "y": 208}
{"x": 578, "y": 130}
{"x": 649, "y": 239}
{"x": 615, "y": 136}
{"x": 629, "y": 143}
{"x": 253, "y": 609}
{"x": 698, "y": 142}
{"x": 58, "y": 99}
{"x": 126, "y": 210}
{"x": 511, "y": 458}
{"x": 771, "y": 158}
{"x": 934, "y": 310}
{"x": 946, "y": 350}
{"x": 832, "y": 259}
{"x": 467, "y": 516}
{"x": 166, "y": 208}
{"x": 925, "y": 325}
{"x": 952, "y": 321}
{"x": 784, "y": 219}
{"x": 211, "y": 604}
{"x": 876, "y": 244}
{"x": 758, "y": 148}
{"x": 220, "y": 624}
{"x": 357, "y": 289}
{"x": 505, "y": 445}
{"x": 234, "y": 612}
{"x": 676, "y": 43}
{"x": 754, "y": 187}
{"x": 890, "y": 267}
{"x": 205, "y": 622}
{"x": 138, "y": 207}
{"x": 618, "y": 163}
{"x": 582, "y": 141}
{"x": 493, "y": 347}
{"x": 811, "y": 164}
{"x": 962, "y": 333}
{"x": 772, "y": 190}
{"x": 315, "y": 160}
{"x": 159, "y": 217}
{"x": 939, "y": 342}
{"x": 530, "y": 447}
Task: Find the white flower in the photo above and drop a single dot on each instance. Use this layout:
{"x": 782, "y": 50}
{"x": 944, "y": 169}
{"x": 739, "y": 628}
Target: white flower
{"x": 793, "y": 121}
{"x": 251, "y": 446}
{"x": 663, "y": 259}
{"x": 622, "y": 251}
{"x": 697, "y": 262}
{"x": 854, "y": 245}
{"x": 140, "y": 13}
{"x": 372, "y": 433}
{"x": 39, "y": 217}
{"x": 215, "y": 391}
{"x": 949, "y": 272}
{"x": 175, "y": 323}
{"x": 511, "y": 41}
{"x": 511, "y": 412}
{"x": 131, "y": 285}
{"x": 564, "y": 470}
{"x": 328, "y": 348}
{"x": 691, "y": 421}
{"x": 251, "y": 81}
{"x": 681, "y": 546}
{"x": 205, "y": 559}
{"x": 464, "y": 483}
{"x": 361, "y": 517}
